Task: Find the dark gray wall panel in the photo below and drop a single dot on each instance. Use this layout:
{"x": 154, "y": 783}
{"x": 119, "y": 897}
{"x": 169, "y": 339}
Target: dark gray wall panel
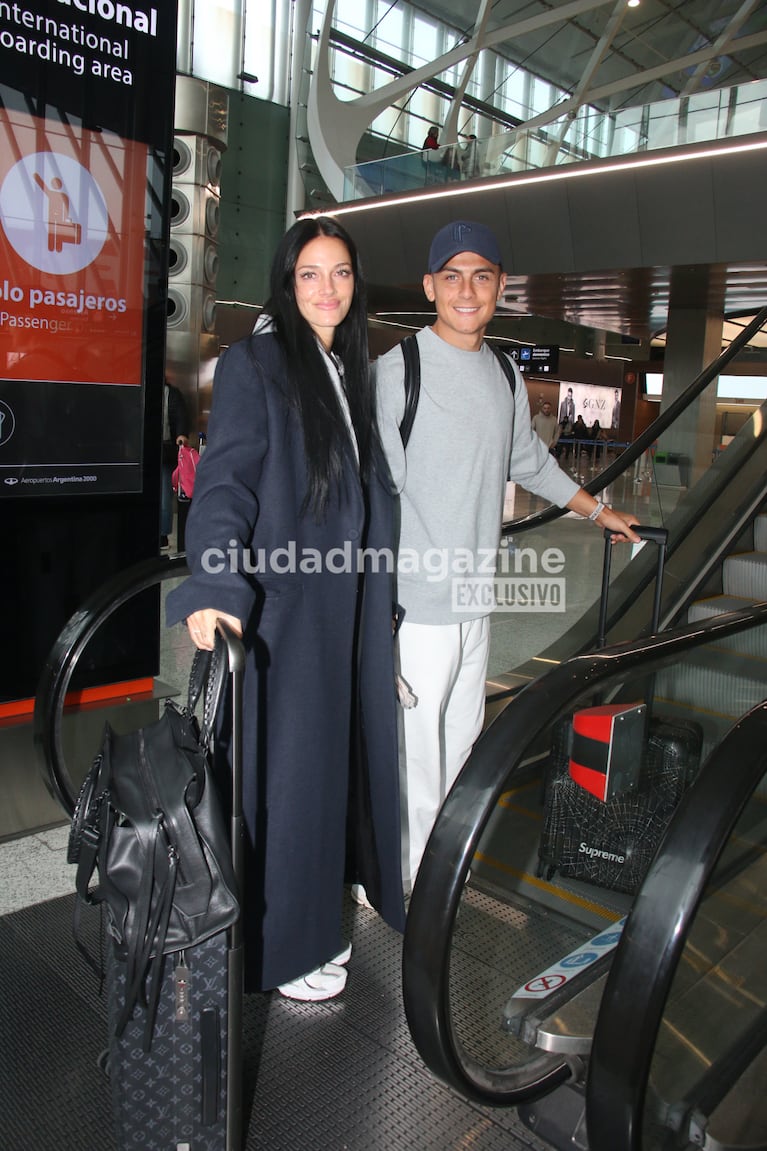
{"x": 540, "y": 238}
{"x": 678, "y": 214}
{"x": 739, "y": 193}
{"x": 703, "y": 210}
{"x": 604, "y": 220}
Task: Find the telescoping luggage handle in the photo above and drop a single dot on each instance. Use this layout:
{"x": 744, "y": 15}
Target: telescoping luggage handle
{"x": 234, "y": 1112}
{"x": 657, "y": 536}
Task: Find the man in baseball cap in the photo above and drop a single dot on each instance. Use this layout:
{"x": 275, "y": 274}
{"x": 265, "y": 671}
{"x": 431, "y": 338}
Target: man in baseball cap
{"x": 463, "y": 236}
{"x": 471, "y": 431}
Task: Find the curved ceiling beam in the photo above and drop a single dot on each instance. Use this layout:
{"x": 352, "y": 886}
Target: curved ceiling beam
{"x": 450, "y": 126}
{"x": 580, "y": 94}
{"x": 638, "y": 79}
{"x": 336, "y": 126}
{"x": 720, "y": 45}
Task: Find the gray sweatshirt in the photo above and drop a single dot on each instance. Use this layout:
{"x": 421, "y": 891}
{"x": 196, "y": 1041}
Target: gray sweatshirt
{"x": 452, "y": 481}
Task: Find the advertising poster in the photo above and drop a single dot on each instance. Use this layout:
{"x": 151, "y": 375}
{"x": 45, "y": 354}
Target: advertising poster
{"x": 592, "y": 402}
{"x": 77, "y": 171}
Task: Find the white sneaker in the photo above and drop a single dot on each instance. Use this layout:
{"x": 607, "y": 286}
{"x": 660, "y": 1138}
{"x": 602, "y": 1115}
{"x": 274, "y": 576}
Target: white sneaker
{"x": 343, "y": 957}
{"x": 324, "y": 983}
{"x": 359, "y": 895}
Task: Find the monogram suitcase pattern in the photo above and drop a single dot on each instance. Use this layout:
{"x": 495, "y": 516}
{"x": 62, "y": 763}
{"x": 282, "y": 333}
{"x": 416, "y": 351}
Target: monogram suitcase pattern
{"x": 173, "y": 1098}
{"x": 185, "y": 1092}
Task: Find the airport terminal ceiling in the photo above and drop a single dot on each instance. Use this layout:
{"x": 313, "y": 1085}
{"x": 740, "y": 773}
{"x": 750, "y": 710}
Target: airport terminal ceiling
{"x": 647, "y": 36}
{"x": 729, "y": 36}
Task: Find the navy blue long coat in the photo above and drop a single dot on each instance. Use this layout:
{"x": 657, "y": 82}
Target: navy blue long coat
{"x": 319, "y": 682}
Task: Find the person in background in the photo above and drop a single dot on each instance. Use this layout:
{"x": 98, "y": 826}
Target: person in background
{"x": 175, "y": 432}
{"x": 293, "y": 467}
{"x": 469, "y": 159}
{"x": 598, "y": 434}
{"x": 429, "y": 146}
{"x": 432, "y": 139}
{"x": 469, "y": 433}
{"x": 545, "y": 425}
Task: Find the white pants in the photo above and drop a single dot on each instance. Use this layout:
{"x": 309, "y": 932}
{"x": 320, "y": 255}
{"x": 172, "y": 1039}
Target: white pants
{"x": 446, "y": 668}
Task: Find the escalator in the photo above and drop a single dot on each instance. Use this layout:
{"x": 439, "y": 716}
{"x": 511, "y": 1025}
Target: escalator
{"x": 506, "y": 966}
{"x": 518, "y": 984}
{"x": 706, "y": 523}
{"x": 693, "y": 999}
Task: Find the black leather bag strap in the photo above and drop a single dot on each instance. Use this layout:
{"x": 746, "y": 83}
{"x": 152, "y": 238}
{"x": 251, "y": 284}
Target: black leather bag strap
{"x": 207, "y": 677}
{"x": 413, "y": 381}
{"x": 505, "y": 363}
{"x": 412, "y": 386}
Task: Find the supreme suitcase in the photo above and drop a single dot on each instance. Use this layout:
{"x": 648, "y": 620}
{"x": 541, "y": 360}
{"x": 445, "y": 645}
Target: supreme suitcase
{"x": 614, "y": 777}
{"x": 175, "y": 1065}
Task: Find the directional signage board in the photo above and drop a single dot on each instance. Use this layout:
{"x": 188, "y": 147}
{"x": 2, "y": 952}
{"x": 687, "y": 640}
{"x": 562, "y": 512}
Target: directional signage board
{"x": 536, "y": 359}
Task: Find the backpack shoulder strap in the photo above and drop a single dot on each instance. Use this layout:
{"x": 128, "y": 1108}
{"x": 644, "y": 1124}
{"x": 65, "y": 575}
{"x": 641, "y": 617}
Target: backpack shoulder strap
{"x": 505, "y": 363}
{"x": 412, "y": 385}
{"x": 413, "y": 381}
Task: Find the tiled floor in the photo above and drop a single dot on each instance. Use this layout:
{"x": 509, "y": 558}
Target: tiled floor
{"x": 34, "y": 868}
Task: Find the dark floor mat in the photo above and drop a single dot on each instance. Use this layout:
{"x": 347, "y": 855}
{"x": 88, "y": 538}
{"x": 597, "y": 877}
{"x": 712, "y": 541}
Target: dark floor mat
{"x": 338, "y": 1076}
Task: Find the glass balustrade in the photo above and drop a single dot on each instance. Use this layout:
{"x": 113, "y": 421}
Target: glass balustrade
{"x": 576, "y": 136}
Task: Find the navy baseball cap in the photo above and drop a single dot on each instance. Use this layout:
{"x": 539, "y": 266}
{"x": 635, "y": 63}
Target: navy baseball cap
{"x": 463, "y": 236}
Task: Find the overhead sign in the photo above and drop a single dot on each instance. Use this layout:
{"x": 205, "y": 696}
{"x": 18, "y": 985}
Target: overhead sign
{"x": 86, "y": 98}
{"x": 536, "y": 359}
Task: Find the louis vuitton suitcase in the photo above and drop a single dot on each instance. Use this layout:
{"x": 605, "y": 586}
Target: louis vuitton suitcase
{"x": 175, "y": 1066}
{"x": 614, "y": 777}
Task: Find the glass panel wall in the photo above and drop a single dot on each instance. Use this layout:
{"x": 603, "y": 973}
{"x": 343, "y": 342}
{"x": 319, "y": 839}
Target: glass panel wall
{"x": 589, "y": 135}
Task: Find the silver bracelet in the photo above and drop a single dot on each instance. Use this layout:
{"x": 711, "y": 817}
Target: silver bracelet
{"x": 597, "y": 511}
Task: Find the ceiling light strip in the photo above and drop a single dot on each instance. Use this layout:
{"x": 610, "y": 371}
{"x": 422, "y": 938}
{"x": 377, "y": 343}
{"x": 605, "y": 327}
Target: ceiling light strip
{"x": 527, "y": 179}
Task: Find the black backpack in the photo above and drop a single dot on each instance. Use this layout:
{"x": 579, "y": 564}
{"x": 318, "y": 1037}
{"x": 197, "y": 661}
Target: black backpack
{"x": 413, "y": 381}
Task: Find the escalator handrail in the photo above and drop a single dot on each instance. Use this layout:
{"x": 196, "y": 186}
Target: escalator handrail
{"x": 500, "y": 751}
{"x": 655, "y": 934}
{"x": 648, "y": 437}
{"x": 62, "y": 660}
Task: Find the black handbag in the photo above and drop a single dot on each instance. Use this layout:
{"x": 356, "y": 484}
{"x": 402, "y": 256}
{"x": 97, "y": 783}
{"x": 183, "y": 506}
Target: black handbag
{"x": 148, "y": 820}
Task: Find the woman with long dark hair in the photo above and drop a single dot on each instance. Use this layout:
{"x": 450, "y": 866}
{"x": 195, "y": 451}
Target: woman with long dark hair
{"x": 289, "y": 539}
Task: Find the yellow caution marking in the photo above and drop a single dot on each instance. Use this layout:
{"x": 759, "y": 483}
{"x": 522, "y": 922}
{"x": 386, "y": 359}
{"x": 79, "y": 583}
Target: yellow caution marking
{"x": 544, "y": 885}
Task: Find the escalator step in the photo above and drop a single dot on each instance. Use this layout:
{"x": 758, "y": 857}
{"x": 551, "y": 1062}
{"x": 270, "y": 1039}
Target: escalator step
{"x": 745, "y": 575}
{"x": 752, "y": 642}
{"x": 725, "y": 683}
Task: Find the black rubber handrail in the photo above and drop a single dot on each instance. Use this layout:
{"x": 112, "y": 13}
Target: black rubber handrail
{"x": 62, "y": 660}
{"x": 655, "y": 934}
{"x": 500, "y": 752}
{"x": 648, "y": 437}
